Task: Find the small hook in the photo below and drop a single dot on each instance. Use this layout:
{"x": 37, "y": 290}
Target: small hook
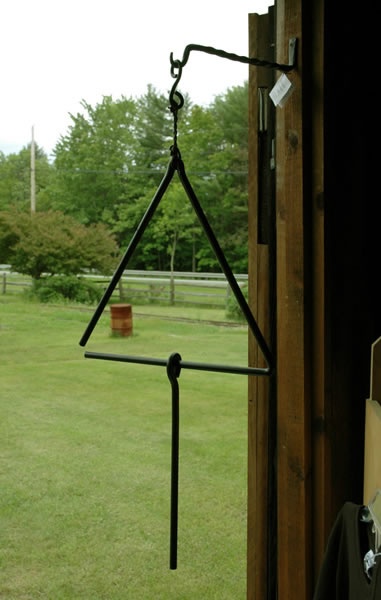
{"x": 175, "y": 64}
{"x": 176, "y": 100}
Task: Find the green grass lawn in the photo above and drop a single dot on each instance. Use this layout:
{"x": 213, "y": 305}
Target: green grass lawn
{"x": 85, "y": 451}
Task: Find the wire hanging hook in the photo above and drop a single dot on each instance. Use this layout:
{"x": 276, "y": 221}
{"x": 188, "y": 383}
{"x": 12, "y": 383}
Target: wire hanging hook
{"x": 176, "y": 100}
{"x": 176, "y": 104}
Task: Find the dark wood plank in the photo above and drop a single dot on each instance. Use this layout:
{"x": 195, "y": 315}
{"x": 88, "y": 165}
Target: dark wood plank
{"x": 293, "y": 330}
{"x": 260, "y": 38}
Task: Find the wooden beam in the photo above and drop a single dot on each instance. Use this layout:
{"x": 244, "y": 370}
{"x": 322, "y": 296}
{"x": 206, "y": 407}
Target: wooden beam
{"x": 322, "y": 514}
{"x": 293, "y": 328}
{"x": 259, "y": 419}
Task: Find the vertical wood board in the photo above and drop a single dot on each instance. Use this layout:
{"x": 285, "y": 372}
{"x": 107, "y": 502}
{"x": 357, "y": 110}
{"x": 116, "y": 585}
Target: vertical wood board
{"x": 293, "y": 384}
{"x": 258, "y": 387}
{"x": 372, "y": 450}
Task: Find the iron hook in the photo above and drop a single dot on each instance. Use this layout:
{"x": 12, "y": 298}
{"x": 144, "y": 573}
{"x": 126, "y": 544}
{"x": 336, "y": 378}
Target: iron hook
{"x": 176, "y": 100}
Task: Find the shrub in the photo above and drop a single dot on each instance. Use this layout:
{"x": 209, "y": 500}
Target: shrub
{"x": 54, "y": 243}
{"x": 233, "y": 310}
{"x": 66, "y": 287}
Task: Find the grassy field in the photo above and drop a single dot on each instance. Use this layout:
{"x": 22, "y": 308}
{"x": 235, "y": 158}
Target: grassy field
{"x": 85, "y": 458}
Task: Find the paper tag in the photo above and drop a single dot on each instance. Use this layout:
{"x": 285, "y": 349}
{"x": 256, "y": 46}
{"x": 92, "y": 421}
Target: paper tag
{"x": 281, "y": 91}
{"x": 370, "y": 561}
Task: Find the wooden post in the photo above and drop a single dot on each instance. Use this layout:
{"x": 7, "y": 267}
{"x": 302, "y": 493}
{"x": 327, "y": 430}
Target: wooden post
{"x": 293, "y": 328}
{"x": 261, "y": 506}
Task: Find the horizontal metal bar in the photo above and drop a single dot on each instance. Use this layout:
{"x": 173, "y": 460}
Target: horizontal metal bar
{"x": 143, "y": 360}
{"x": 177, "y": 64}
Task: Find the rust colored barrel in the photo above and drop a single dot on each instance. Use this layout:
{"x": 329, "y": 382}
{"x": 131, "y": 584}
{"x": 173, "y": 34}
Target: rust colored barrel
{"x": 121, "y": 319}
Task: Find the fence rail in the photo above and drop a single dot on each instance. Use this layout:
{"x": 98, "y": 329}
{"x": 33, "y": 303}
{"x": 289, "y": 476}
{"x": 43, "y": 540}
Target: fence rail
{"x": 151, "y": 287}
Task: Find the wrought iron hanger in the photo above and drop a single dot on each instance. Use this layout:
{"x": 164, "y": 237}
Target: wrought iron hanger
{"x": 257, "y": 62}
{"x": 176, "y": 102}
{"x": 175, "y": 363}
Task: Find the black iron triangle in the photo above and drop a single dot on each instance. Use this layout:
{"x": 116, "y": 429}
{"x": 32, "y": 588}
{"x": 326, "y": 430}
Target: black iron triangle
{"x": 176, "y": 165}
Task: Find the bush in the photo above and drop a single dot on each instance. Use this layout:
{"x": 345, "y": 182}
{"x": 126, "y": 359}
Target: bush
{"x": 66, "y": 287}
{"x": 233, "y": 309}
{"x": 51, "y": 243}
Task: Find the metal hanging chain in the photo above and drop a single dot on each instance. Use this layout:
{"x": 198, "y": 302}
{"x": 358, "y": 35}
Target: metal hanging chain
{"x": 176, "y": 101}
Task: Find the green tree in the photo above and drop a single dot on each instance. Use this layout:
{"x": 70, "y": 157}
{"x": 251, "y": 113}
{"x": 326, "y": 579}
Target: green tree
{"x": 109, "y": 166}
{"x": 214, "y": 150}
{"x": 15, "y": 178}
{"x": 94, "y": 159}
{"x": 173, "y": 227}
{"x": 50, "y": 243}
{"x": 153, "y": 129}
{"x": 150, "y": 154}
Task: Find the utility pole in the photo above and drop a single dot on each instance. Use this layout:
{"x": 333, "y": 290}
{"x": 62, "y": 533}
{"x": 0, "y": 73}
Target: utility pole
{"x": 32, "y": 175}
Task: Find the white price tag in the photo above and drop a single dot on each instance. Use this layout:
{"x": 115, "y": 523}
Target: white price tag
{"x": 281, "y": 91}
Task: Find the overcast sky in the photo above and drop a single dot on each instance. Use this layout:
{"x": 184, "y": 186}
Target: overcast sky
{"x": 55, "y": 53}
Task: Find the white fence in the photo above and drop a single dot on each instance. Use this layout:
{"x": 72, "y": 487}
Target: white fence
{"x": 152, "y": 287}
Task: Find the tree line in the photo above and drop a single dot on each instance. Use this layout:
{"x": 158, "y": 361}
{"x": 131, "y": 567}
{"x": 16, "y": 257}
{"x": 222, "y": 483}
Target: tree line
{"x": 106, "y": 168}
